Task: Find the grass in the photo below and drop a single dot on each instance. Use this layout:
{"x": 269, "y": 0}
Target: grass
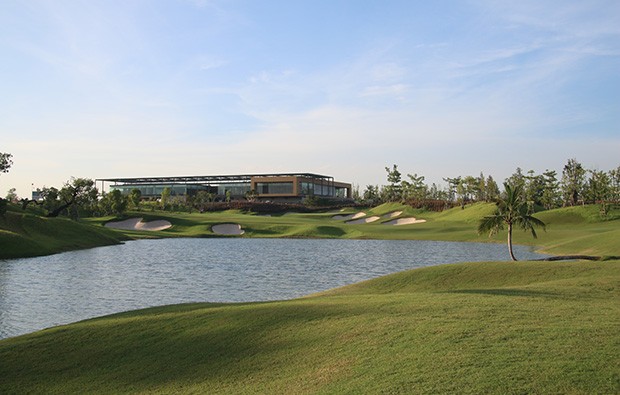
{"x": 479, "y": 328}
{"x": 493, "y": 327}
{"x": 25, "y": 235}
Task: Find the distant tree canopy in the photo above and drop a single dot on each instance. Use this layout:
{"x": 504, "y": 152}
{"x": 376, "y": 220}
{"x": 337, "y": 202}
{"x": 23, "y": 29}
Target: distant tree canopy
{"x": 576, "y": 186}
{"x": 5, "y": 162}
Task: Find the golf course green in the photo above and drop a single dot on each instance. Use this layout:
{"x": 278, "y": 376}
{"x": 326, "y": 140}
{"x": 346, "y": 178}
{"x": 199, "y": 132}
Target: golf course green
{"x": 473, "y": 328}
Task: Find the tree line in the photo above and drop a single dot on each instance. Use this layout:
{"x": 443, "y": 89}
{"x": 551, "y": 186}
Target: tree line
{"x": 576, "y": 185}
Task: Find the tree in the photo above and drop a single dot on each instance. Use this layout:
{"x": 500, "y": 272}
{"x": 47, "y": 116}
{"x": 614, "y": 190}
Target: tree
{"x": 165, "y": 197}
{"x": 453, "y": 184}
{"x": 202, "y": 197}
{"x": 511, "y": 211}
{"x": 573, "y": 180}
{"x": 5, "y": 162}
{"x": 251, "y": 195}
{"x": 5, "y": 165}
{"x": 76, "y": 193}
{"x": 135, "y": 197}
{"x": 550, "y": 196}
{"x": 118, "y": 202}
{"x": 371, "y": 194}
{"x": 11, "y": 195}
{"x": 614, "y": 184}
{"x": 416, "y": 189}
{"x": 394, "y": 190}
{"x": 491, "y": 189}
{"x": 599, "y": 189}
{"x": 50, "y": 198}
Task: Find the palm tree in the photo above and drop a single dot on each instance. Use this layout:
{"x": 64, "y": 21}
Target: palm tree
{"x": 511, "y": 211}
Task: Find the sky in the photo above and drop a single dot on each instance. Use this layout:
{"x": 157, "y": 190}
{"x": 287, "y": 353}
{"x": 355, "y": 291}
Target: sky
{"x": 345, "y": 88}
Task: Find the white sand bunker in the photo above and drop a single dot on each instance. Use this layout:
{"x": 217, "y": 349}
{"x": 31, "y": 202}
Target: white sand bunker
{"x": 350, "y": 216}
{"x": 364, "y": 220}
{"x": 227, "y": 229}
{"x": 404, "y": 221}
{"x": 393, "y": 214}
{"x": 137, "y": 224}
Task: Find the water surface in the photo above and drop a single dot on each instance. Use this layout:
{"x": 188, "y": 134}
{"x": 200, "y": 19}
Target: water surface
{"x": 37, "y": 293}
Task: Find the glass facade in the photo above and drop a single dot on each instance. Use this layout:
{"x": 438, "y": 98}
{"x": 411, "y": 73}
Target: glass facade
{"x": 285, "y": 187}
{"x": 341, "y": 192}
{"x": 275, "y": 188}
{"x": 156, "y": 190}
{"x": 309, "y": 188}
{"x": 235, "y": 189}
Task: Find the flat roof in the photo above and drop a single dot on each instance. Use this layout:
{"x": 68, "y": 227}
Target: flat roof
{"x": 222, "y": 179}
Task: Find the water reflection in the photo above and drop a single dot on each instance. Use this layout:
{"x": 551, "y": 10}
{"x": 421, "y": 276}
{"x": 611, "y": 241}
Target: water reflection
{"x": 36, "y": 293}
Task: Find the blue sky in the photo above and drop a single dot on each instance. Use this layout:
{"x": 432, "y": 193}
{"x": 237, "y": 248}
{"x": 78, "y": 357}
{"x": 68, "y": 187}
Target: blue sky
{"x": 344, "y": 88}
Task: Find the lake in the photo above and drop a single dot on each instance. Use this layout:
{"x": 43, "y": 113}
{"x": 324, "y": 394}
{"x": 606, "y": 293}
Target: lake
{"x": 37, "y": 293}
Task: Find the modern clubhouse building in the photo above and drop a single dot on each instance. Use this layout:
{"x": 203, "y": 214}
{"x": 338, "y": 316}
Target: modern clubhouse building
{"x": 280, "y": 187}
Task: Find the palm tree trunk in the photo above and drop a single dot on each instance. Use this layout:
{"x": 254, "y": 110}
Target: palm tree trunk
{"x": 512, "y": 256}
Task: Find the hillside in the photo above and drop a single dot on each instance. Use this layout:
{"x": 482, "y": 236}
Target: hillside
{"x": 25, "y": 235}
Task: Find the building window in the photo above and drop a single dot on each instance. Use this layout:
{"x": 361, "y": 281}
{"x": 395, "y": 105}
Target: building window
{"x": 275, "y": 188}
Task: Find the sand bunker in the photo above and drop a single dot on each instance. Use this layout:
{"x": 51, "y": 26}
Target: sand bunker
{"x": 137, "y": 224}
{"x": 404, "y": 221}
{"x": 364, "y": 220}
{"x": 227, "y": 229}
{"x": 350, "y": 216}
{"x": 335, "y": 211}
{"x": 393, "y": 214}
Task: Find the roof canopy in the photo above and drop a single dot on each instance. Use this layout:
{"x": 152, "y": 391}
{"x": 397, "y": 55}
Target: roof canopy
{"x": 207, "y": 179}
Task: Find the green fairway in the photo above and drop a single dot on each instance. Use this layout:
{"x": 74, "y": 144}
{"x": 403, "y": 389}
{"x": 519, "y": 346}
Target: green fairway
{"x": 483, "y": 327}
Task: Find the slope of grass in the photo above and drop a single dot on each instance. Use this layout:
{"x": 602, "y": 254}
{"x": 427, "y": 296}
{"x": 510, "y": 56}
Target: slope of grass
{"x": 23, "y": 235}
{"x": 494, "y": 327}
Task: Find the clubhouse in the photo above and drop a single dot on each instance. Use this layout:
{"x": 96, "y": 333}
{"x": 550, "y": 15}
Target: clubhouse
{"x": 279, "y": 187}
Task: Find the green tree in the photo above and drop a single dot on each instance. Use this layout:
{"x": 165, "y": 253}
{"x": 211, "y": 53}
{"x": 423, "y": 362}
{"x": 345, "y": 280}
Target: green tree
{"x": 5, "y": 165}
{"x": 573, "y": 181}
{"x": 614, "y": 184}
{"x": 118, "y": 202}
{"x": 415, "y": 188}
{"x": 165, "y": 197}
{"x": 394, "y": 190}
{"x": 5, "y": 162}
{"x": 550, "y": 197}
{"x": 371, "y": 194}
{"x": 251, "y": 195}
{"x": 453, "y": 184}
{"x": 491, "y": 190}
{"x": 11, "y": 195}
{"x": 75, "y": 194}
{"x": 50, "y": 198}
{"x": 202, "y": 197}
{"x": 511, "y": 211}
{"x": 135, "y": 197}
{"x": 599, "y": 189}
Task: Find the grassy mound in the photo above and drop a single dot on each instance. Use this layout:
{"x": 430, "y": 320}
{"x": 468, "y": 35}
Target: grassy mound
{"x": 494, "y": 327}
{"x": 23, "y": 235}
